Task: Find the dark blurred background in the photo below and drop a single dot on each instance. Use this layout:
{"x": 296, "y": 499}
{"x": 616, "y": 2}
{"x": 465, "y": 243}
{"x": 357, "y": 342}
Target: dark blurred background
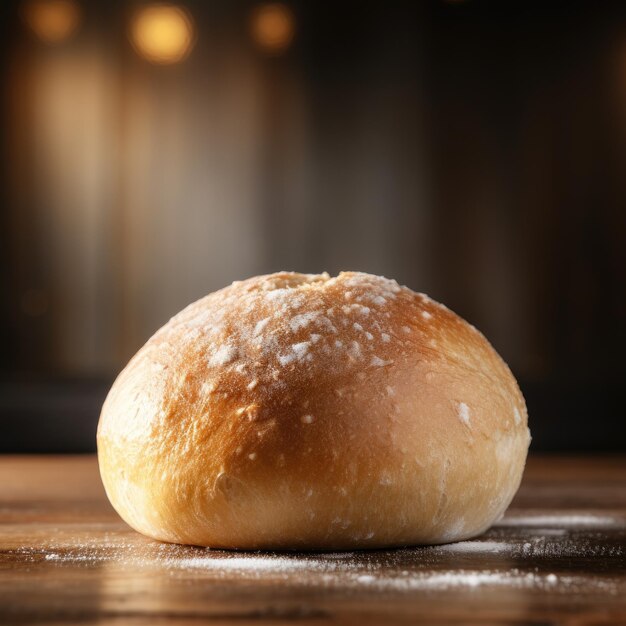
{"x": 151, "y": 153}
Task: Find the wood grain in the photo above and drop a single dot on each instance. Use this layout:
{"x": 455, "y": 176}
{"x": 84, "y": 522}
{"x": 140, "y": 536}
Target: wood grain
{"x": 557, "y": 557}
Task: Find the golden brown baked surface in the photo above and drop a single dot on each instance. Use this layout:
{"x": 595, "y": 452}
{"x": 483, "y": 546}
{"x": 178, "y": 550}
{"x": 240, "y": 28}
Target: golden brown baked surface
{"x": 309, "y": 412}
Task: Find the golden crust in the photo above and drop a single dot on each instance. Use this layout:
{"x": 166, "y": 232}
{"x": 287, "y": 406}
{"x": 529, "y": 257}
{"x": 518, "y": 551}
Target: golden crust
{"x": 296, "y": 411}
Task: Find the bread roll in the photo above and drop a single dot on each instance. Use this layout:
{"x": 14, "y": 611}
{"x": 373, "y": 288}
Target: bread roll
{"x": 297, "y": 411}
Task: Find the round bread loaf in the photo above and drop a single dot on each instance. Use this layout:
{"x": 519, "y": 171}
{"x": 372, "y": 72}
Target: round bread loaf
{"x": 296, "y": 411}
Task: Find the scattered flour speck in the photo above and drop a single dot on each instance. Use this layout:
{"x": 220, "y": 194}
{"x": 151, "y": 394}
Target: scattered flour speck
{"x": 285, "y": 359}
{"x": 225, "y": 354}
{"x": 260, "y": 325}
{"x": 366, "y": 578}
{"x": 463, "y": 413}
{"x": 477, "y": 546}
{"x": 354, "y": 350}
{"x": 301, "y": 348}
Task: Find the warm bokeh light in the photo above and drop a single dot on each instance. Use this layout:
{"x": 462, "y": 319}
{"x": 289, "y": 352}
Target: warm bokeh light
{"x": 273, "y": 27}
{"x": 162, "y": 33}
{"x": 53, "y": 21}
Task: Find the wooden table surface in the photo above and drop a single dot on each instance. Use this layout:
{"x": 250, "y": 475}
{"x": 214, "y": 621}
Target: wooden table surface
{"x": 557, "y": 557}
